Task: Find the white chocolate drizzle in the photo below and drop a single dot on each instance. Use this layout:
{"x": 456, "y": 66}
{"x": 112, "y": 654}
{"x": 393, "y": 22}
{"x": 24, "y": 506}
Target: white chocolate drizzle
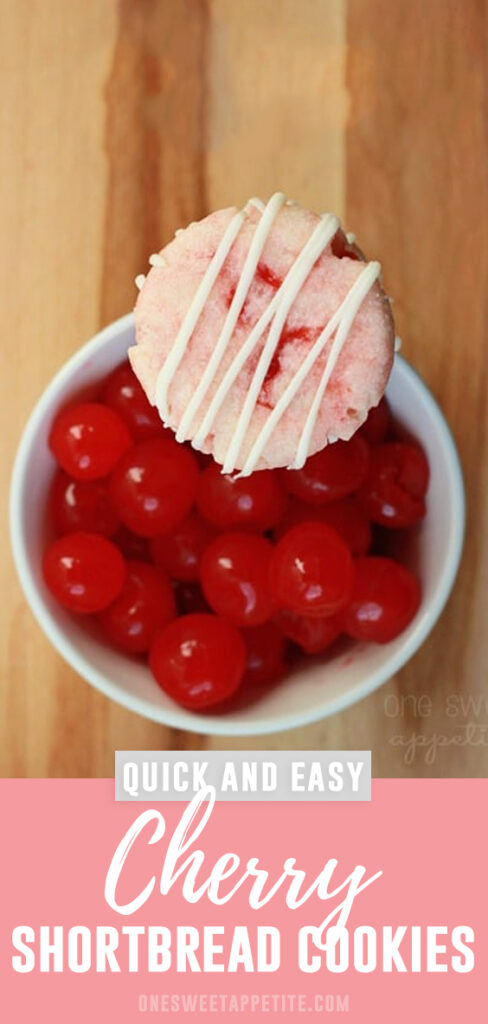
{"x": 274, "y": 316}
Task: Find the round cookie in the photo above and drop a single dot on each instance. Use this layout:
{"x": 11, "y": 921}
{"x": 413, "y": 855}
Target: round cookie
{"x": 321, "y": 306}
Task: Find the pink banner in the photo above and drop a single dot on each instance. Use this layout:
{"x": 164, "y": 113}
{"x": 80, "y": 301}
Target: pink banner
{"x": 101, "y": 919}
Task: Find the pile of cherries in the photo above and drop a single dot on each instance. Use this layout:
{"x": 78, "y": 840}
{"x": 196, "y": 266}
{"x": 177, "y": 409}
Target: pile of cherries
{"x": 220, "y": 581}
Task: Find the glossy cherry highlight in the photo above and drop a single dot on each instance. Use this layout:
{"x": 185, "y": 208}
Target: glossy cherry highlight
{"x": 84, "y": 572}
{"x": 154, "y": 486}
{"x": 198, "y": 660}
{"x": 311, "y": 570}
{"x": 88, "y": 440}
{"x": 384, "y": 600}
{"x": 145, "y": 604}
{"x": 235, "y": 578}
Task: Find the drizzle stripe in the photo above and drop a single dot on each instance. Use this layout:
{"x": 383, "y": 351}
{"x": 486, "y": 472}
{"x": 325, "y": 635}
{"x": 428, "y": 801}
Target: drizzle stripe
{"x": 318, "y": 241}
{"x": 258, "y": 329}
{"x": 290, "y": 392}
{"x": 248, "y": 271}
{"x": 353, "y": 302}
{"x": 202, "y": 293}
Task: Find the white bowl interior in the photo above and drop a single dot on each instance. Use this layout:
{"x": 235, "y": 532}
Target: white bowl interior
{"x": 310, "y": 692}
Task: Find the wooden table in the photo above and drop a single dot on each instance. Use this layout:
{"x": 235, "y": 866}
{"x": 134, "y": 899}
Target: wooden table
{"x": 123, "y": 119}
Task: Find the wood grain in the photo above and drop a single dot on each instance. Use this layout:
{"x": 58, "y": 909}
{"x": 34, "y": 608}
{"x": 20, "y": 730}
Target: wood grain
{"x": 123, "y": 120}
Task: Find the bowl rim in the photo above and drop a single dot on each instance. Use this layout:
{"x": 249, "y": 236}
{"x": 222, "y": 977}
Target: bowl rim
{"x": 213, "y": 724}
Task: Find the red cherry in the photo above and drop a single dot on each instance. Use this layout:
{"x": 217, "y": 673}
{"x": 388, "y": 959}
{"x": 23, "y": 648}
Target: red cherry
{"x": 199, "y": 660}
{"x": 144, "y": 605}
{"x": 265, "y": 646}
{"x": 312, "y": 635}
{"x": 385, "y": 598}
{"x": 336, "y": 471}
{"x": 82, "y": 505}
{"x": 311, "y": 570}
{"x": 123, "y": 393}
{"x": 84, "y": 572}
{"x": 393, "y": 493}
{"x": 180, "y": 551}
{"x": 154, "y": 486}
{"x": 88, "y": 440}
{"x": 256, "y": 502}
{"x": 377, "y": 424}
{"x": 347, "y": 516}
{"x": 234, "y": 577}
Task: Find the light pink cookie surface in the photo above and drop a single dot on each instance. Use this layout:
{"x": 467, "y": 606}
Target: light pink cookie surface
{"x": 360, "y": 374}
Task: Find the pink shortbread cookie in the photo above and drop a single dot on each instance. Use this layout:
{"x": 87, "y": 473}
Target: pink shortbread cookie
{"x": 360, "y": 375}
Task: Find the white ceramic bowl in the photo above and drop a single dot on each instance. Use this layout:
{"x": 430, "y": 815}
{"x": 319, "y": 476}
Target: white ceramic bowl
{"x": 311, "y": 692}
